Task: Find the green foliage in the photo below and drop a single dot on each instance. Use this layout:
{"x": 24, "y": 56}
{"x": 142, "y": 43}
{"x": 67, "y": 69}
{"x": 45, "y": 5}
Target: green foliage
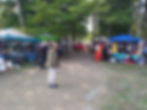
{"x": 59, "y": 17}
{"x": 68, "y": 17}
{"x": 144, "y": 27}
{"x": 118, "y": 18}
{"x": 7, "y": 16}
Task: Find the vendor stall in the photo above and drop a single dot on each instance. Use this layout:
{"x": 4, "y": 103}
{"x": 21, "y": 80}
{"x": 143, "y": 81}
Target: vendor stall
{"x": 17, "y": 46}
{"x": 126, "y": 49}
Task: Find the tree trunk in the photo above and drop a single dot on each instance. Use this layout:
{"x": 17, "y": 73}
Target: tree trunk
{"x": 145, "y": 21}
{"x": 20, "y": 15}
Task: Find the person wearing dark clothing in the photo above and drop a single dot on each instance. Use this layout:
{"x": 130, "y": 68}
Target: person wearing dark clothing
{"x": 42, "y": 55}
{"x": 105, "y": 53}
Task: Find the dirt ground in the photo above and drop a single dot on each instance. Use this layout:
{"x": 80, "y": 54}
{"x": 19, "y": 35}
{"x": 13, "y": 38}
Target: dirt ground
{"x": 83, "y": 84}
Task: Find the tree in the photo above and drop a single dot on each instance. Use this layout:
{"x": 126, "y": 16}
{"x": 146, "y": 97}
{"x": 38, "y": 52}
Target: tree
{"x": 118, "y": 18}
{"x": 7, "y": 15}
{"x": 59, "y": 17}
{"x": 68, "y": 17}
{"x": 144, "y": 32}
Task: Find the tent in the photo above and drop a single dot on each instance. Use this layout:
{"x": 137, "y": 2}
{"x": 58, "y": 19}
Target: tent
{"x": 15, "y": 35}
{"x": 47, "y": 37}
{"x": 125, "y": 38}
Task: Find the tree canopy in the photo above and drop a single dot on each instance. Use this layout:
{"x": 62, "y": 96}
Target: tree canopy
{"x": 68, "y": 17}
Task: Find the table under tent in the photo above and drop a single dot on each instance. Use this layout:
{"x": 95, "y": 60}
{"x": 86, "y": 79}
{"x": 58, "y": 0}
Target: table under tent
{"x": 17, "y": 47}
{"x": 126, "y": 49}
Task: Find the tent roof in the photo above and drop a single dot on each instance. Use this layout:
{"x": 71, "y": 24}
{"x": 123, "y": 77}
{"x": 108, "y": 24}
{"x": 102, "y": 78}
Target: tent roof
{"x": 15, "y": 35}
{"x": 125, "y": 38}
{"x": 47, "y": 37}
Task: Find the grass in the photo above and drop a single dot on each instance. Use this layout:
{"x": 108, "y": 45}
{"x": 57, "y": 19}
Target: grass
{"x": 27, "y": 65}
{"x": 136, "y": 69}
{"x": 126, "y": 87}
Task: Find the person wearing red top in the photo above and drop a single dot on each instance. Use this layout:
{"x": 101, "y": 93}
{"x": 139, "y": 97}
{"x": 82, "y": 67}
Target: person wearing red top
{"x": 98, "y": 53}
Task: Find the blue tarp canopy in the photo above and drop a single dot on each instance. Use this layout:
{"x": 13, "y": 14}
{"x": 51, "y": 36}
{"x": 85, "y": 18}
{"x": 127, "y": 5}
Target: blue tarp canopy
{"x": 15, "y": 35}
{"x": 125, "y": 38}
{"x": 18, "y": 38}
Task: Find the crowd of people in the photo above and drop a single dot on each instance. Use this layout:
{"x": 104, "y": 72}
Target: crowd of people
{"x": 16, "y": 53}
{"x": 48, "y": 54}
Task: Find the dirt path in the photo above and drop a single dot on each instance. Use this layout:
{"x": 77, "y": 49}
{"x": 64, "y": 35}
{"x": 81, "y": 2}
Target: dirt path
{"x": 80, "y": 80}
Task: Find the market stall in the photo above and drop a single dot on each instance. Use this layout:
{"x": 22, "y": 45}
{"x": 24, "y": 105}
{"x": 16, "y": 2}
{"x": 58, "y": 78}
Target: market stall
{"x": 17, "y": 47}
{"x": 126, "y": 49}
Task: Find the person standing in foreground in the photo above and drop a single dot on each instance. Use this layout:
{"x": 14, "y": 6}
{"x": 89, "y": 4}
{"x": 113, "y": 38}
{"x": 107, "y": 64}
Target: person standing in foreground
{"x": 52, "y": 64}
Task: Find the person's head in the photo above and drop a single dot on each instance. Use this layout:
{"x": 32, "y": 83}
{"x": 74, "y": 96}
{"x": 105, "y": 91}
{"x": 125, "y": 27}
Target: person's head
{"x": 44, "y": 43}
{"x": 54, "y": 46}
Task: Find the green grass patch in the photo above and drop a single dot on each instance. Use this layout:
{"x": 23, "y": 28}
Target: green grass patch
{"x": 127, "y": 87}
